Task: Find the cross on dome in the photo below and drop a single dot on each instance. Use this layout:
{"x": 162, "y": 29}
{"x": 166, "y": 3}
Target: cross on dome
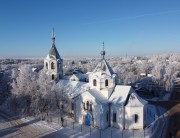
{"x": 53, "y": 38}
{"x": 103, "y": 51}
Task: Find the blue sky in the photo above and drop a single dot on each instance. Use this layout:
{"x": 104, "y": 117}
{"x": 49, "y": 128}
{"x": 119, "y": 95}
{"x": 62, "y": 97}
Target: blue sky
{"x": 132, "y": 27}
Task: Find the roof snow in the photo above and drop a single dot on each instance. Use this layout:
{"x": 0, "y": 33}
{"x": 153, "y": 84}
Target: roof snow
{"x": 120, "y": 94}
{"x": 53, "y": 53}
{"x": 79, "y": 76}
{"x": 103, "y": 67}
{"x": 97, "y": 95}
{"x": 72, "y": 88}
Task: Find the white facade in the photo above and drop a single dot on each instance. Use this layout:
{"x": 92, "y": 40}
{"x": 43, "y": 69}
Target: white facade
{"x": 104, "y": 104}
{"x": 101, "y": 102}
{"x": 135, "y": 112}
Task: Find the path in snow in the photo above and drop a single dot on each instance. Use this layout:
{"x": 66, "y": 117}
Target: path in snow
{"x": 22, "y": 128}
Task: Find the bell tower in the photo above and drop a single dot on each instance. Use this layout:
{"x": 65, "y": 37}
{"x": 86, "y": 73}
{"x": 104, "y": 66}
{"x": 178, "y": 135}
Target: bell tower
{"x": 53, "y": 64}
{"x": 103, "y": 77}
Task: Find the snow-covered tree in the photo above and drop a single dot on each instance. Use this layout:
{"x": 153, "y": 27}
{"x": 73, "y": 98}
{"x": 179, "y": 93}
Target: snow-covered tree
{"x": 24, "y": 87}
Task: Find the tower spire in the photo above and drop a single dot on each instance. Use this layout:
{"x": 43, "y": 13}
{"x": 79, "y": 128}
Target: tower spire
{"x": 103, "y": 51}
{"x": 53, "y": 38}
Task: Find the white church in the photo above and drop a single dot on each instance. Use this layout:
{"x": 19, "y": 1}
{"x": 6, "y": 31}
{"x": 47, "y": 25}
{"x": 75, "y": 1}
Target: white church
{"x": 100, "y": 102}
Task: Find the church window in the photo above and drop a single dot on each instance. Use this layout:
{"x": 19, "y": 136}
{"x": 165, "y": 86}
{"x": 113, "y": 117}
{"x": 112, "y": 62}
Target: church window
{"x": 72, "y": 106}
{"x": 106, "y": 82}
{"x": 52, "y": 65}
{"x": 46, "y": 65}
{"x": 90, "y": 107}
{"x": 136, "y": 117}
{"x": 114, "y": 117}
{"x": 94, "y": 82}
{"x": 87, "y": 105}
{"x": 52, "y": 76}
{"x": 84, "y": 106}
{"x": 107, "y": 117}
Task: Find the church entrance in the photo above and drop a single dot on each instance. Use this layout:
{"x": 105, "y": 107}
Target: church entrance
{"x": 88, "y": 119}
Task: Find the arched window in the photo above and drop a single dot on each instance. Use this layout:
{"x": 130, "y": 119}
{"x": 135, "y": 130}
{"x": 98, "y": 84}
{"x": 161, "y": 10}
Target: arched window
{"x": 136, "y": 117}
{"x": 72, "y": 106}
{"x": 107, "y": 117}
{"x": 46, "y": 65}
{"x": 52, "y": 65}
{"x": 87, "y": 105}
{"x": 90, "y": 107}
{"x": 114, "y": 117}
{"x": 94, "y": 82}
{"x": 84, "y": 107}
{"x": 106, "y": 82}
{"x": 52, "y": 76}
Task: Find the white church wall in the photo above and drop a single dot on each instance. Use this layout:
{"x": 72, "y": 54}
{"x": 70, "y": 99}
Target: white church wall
{"x": 103, "y": 116}
{"x": 57, "y": 71}
{"x": 134, "y": 117}
{"x": 78, "y": 107}
{"x": 118, "y": 109}
{"x": 91, "y": 78}
{"x": 100, "y": 84}
{"x": 98, "y": 113}
{"x": 134, "y": 113}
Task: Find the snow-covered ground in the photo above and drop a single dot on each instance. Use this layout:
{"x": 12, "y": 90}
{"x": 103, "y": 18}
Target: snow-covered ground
{"x": 30, "y": 127}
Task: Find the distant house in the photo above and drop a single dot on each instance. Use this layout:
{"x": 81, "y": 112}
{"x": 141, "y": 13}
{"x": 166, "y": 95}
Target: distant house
{"x": 72, "y": 71}
{"x": 143, "y": 74}
{"x": 77, "y": 77}
{"x": 149, "y": 75}
{"x": 82, "y": 62}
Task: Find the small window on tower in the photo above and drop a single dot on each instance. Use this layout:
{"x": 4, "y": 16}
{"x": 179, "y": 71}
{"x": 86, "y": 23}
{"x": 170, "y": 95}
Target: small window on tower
{"x": 52, "y": 65}
{"x": 94, "y": 82}
{"x": 106, "y": 82}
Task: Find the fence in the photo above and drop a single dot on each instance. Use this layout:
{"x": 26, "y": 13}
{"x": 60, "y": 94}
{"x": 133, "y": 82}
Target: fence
{"x": 99, "y": 133}
{"x": 94, "y": 131}
{"x": 109, "y": 132}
